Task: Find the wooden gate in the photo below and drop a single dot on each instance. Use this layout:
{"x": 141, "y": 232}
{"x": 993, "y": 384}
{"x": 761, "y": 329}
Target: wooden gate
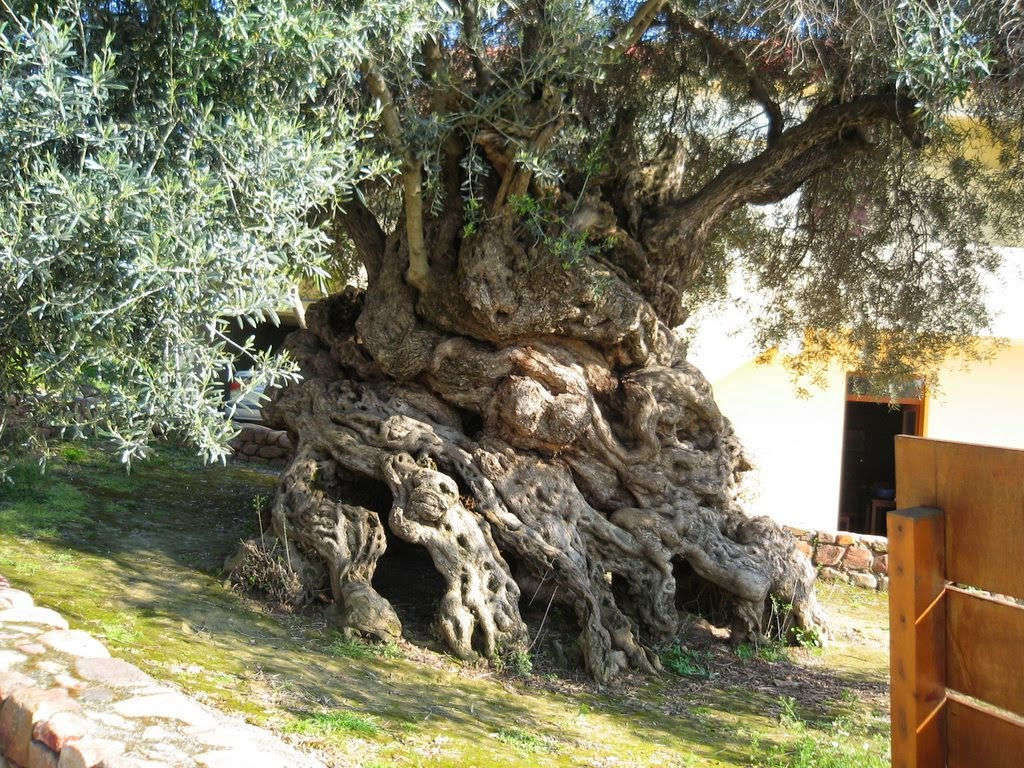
{"x": 956, "y": 550}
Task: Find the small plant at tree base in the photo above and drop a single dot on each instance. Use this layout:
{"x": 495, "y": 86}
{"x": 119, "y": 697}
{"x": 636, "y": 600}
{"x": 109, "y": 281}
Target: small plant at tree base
{"x": 262, "y": 569}
{"x": 686, "y": 662}
{"x": 516, "y": 662}
{"x": 805, "y": 638}
{"x": 353, "y": 648}
{"x": 772, "y": 651}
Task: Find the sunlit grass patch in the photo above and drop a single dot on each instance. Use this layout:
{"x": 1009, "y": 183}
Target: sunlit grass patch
{"x": 523, "y": 739}
{"x": 326, "y": 724}
{"x": 120, "y": 630}
{"x": 33, "y": 505}
{"x": 842, "y": 743}
{"x": 75, "y": 454}
{"x": 352, "y": 648}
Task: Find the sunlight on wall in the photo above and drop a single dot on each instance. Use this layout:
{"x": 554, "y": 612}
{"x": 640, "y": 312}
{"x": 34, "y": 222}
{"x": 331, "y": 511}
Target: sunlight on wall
{"x": 795, "y": 443}
{"x": 983, "y": 403}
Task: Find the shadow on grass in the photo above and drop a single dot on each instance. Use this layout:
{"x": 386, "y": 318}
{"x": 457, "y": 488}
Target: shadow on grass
{"x": 136, "y": 559}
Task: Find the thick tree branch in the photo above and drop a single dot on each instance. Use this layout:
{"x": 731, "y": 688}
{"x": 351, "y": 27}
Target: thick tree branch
{"x": 471, "y": 37}
{"x": 676, "y": 233}
{"x": 635, "y": 28}
{"x": 737, "y": 61}
{"x": 359, "y": 223}
{"x": 823, "y": 139}
{"x": 412, "y": 179}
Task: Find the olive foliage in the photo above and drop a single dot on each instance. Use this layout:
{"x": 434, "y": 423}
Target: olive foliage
{"x": 173, "y": 166}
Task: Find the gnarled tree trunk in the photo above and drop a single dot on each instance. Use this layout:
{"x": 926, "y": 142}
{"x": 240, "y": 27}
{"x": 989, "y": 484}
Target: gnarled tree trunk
{"x": 518, "y": 408}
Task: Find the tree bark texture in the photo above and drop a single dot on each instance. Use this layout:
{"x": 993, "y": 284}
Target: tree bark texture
{"x": 531, "y": 421}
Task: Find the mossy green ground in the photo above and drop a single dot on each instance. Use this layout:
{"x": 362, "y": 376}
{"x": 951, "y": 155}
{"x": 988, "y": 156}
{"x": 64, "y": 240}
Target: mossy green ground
{"x": 136, "y": 560}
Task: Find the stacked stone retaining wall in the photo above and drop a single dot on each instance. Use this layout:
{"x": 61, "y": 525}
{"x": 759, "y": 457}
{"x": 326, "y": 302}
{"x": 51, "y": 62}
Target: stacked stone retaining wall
{"x": 855, "y": 558}
{"x": 66, "y": 703}
{"x": 258, "y": 443}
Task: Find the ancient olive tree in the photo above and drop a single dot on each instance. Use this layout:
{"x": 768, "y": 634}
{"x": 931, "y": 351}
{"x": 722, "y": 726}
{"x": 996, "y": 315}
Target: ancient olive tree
{"x": 538, "y": 194}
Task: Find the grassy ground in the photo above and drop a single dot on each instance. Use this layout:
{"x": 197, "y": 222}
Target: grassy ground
{"x": 136, "y": 559}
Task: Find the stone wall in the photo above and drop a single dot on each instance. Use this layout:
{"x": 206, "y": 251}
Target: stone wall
{"x": 66, "y": 703}
{"x": 258, "y": 443}
{"x": 855, "y": 558}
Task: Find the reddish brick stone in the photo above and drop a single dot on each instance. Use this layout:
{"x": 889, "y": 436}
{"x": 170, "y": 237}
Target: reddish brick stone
{"x": 858, "y": 558}
{"x": 865, "y": 580}
{"x": 250, "y": 449}
{"x": 10, "y": 680}
{"x": 803, "y": 546}
{"x": 845, "y": 539}
{"x": 113, "y": 672}
{"x": 828, "y": 554}
{"x": 14, "y": 598}
{"x": 881, "y": 564}
{"x": 824, "y": 537}
{"x": 24, "y": 707}
{"x": 169, "y": 705}
{"x": 60, "y": 729}
{"x": 41, "y": 756}
{"x": 89, "y": 753}
{"x": 33, "y": 615}
{"x": 74, "y": 642}
{"x": 73, "y": 684}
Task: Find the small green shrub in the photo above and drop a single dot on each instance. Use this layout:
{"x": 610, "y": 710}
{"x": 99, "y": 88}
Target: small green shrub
{"x": 772, "y": 651}
{"x": 787, "y": 712}
{"x": 769, "y": 651}
{"x": 805, "y": 638}
{"x": 686, "y": 662}
{"x": 74, "y": 454}
{"x": 517, "y": 662}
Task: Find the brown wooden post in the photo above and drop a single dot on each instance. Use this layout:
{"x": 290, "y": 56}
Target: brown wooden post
{"x": 917, "y": 626}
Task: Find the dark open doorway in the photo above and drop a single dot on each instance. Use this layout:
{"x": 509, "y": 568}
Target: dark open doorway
{"x": 868, "y": 486}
